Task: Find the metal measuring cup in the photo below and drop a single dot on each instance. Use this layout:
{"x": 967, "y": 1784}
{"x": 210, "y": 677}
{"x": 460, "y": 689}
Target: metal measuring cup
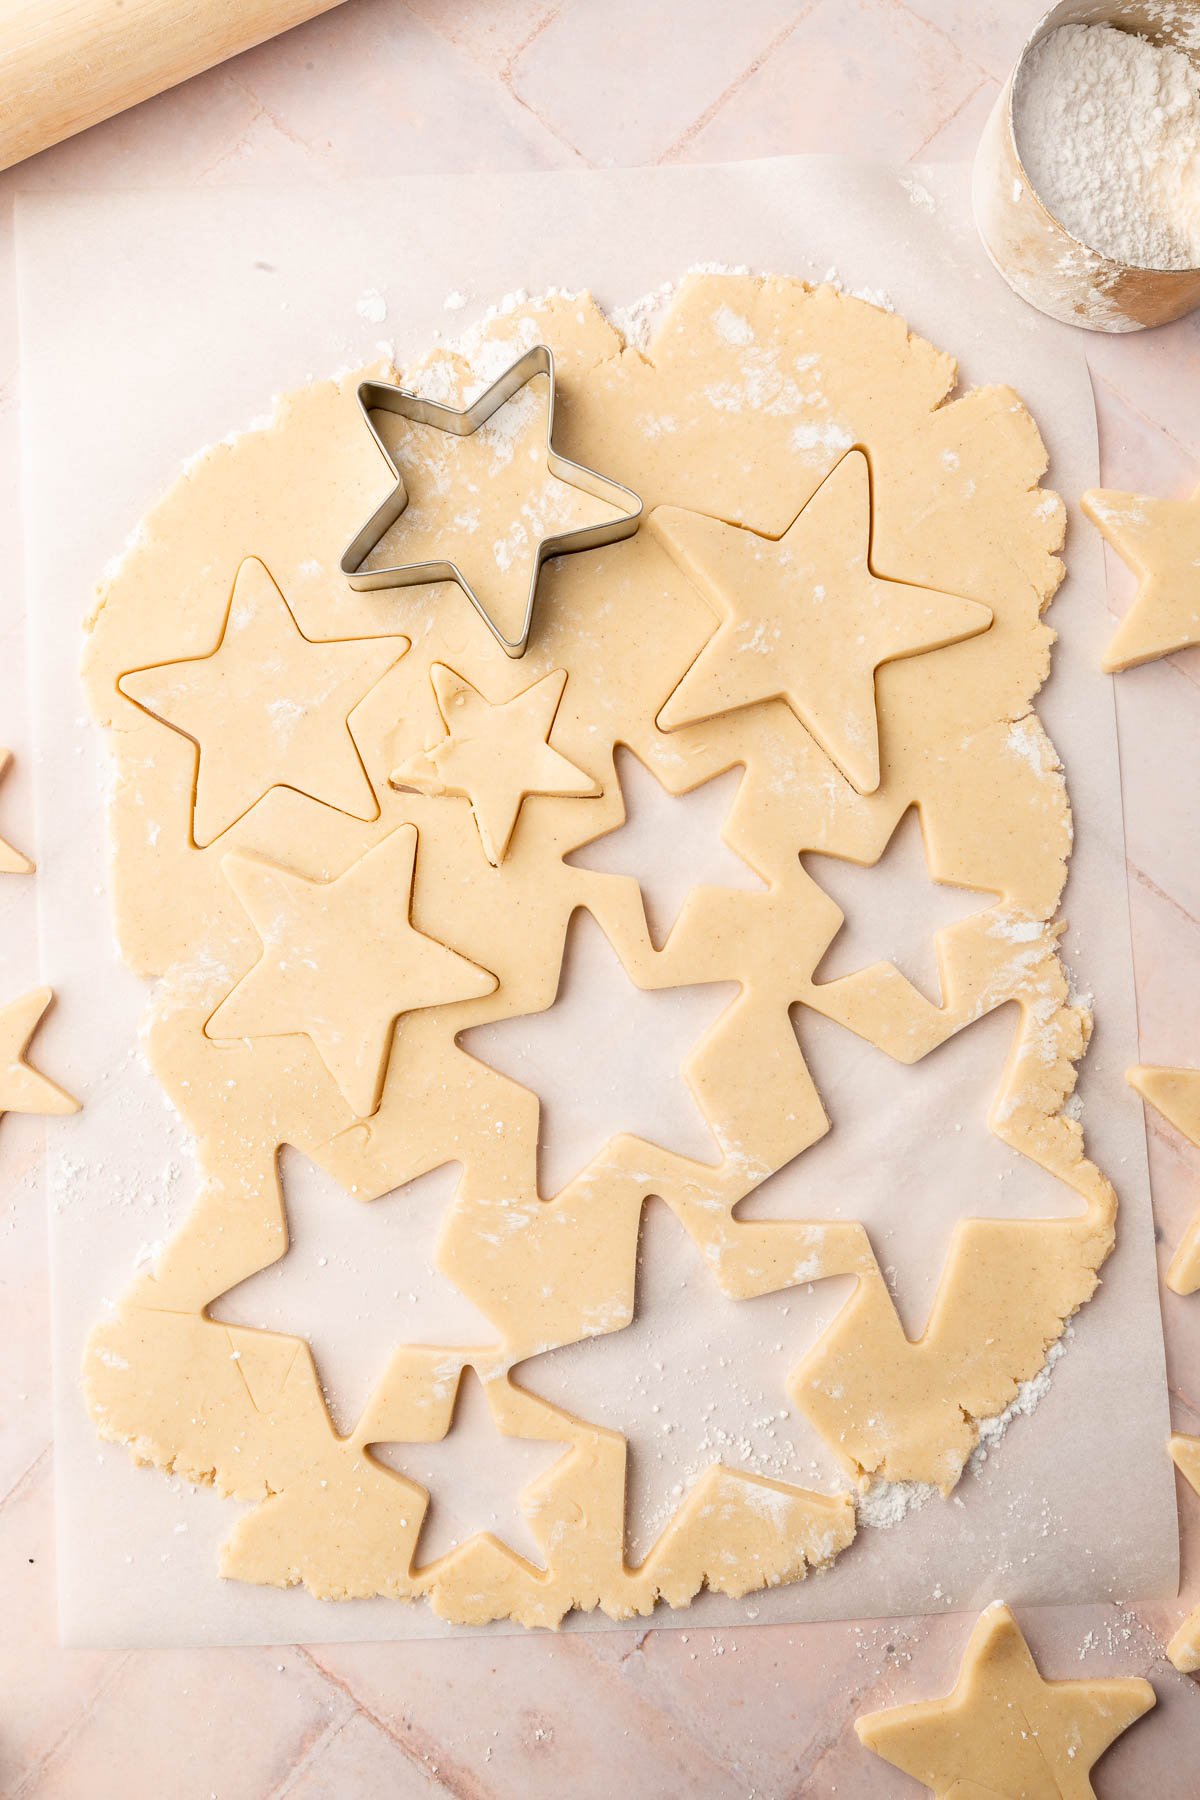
{"x": 1038, "y": 258}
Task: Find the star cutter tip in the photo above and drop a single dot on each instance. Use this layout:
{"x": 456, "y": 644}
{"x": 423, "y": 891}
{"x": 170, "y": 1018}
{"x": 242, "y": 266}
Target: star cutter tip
{"x": 383, "y": 396}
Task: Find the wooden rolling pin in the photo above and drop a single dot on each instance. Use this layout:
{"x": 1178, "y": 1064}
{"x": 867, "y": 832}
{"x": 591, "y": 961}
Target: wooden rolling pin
{"x": 67, "y": 64}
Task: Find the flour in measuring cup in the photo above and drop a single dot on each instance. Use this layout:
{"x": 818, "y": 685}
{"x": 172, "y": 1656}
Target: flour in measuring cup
{"x": 1108, "y": 128}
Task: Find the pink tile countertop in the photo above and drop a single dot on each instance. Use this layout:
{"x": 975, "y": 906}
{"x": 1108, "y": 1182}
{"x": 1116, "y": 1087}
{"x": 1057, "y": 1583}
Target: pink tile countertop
{"x": 379, "y": 86}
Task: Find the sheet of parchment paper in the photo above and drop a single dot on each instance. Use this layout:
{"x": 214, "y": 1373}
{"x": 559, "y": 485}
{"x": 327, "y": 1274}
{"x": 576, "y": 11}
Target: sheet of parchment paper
{"x": 153, "y": 324}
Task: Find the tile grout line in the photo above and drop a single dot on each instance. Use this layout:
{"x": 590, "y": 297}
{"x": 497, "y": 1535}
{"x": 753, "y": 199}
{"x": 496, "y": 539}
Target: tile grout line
{"x": 938, "y": 31}
{"x": 739, "y": 81}
{"x": 67, "y": 1737}
{"x": 949, "y": 118}
{"x": 27, "y": 1475}
{"x": 1106, "y": 381}
{"x": 315, "y": 1750}
{"x": 418, "y": 1758}
{"x": 1152, "y": 887}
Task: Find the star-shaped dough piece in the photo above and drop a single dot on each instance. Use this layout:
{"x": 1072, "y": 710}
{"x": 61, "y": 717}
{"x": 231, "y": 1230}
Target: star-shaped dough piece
{"x": 1175, "y": 1093}
{"x": 11, "y": 861}
{"x": 1160, "y": 540}
{"x": 341, "y": 962}
{"x": 1184, "y": 1647}
{"x": 22, "y": 1088}
{"x": 805, "y": 619}
{"x": 268, "y": 708}
{"x": 1005, "y": 1732}
{"x": 496, "y": 754}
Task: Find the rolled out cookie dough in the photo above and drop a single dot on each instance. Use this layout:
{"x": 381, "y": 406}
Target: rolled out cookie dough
{"x": 752, "y": 395}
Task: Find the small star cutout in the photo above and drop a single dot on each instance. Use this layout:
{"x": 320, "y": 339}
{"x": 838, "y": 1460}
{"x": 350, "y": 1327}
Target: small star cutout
{"x": 1160, "y": 540}
{"x": 1184, "y": 1647}
{"x": 1006, "y": 1732}
{"x": 341, "y": 962}
{"x": 495, "y": 754}
{"x": 22, "y": 1088}
{"x": 895, "y": 905}
{"x": 805, "y": 619}
{"x": 475, "y": 1476}
{"x": 1175, "y": 1093}
{"x": 268, "y": 708}
{"x": 11, "y": 861}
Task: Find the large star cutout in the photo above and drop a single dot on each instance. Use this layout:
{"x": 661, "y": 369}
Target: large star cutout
{"x": 12, "y": 862}
{"x": 695, "y": 1378}
{"x": 475, "y": 1477}
{"x": 22, "y": 1088}
{"x": 894, "y": 905}
{"x": 575, "y": 1057}
{"x": 341, "y": 962}
{"x": 1175, "y": 1093}
{"x": 1184, "y": 1647}
{"x": 805, "y": 619}
{"x": 1005, "y": 1732}
{"x": 268, "y": 708}
{"x": 495, "y": 754}
{"x": 1160, "y": 540}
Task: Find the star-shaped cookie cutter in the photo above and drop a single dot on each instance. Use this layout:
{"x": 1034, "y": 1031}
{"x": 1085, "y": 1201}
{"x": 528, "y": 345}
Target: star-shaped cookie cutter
{"x": 383, "y": 396}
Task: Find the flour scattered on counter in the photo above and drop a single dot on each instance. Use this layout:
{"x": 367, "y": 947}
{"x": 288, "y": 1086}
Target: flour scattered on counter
{"x": 1108, "y": 127}
{"x": 371, "y": 306}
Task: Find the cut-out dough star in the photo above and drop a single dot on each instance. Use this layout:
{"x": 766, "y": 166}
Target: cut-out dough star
{"x": 1005, "y": 1731}
{"x": 1175, "y": 1093}
{"x": 341, "y": 962}
{"x": 11, "y": 861}
{"x": 1160, "y": 541}
{"x": 22, "y": 1088}
{"x": 496, "y": 754}
{"x": 1184, "y": 1647}
{"x": 805, "y": 619}
{"x": 268, "y": 708}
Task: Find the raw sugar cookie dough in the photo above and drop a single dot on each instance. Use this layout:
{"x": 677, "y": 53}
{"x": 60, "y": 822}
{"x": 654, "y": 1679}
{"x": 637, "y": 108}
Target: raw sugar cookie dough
{"x": 394, "y": 845}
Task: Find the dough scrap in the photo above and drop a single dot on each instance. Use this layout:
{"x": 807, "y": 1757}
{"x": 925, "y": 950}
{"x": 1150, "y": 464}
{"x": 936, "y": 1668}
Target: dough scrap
{"x": 1160, "y": 540}
{"x": 22, "y": 1087}
{"x": 12, "y": 861}
{"x": 1184, "y": 1647}
{"x": 1004, "y": 1730}
{"x": 1175, "y": 1093}
{"x": 744, "y": 423}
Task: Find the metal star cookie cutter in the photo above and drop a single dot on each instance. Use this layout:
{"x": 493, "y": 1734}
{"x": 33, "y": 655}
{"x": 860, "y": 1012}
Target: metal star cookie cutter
{"x": 383, "y": 396}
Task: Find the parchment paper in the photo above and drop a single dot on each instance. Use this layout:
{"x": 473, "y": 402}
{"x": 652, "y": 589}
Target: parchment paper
{"x": 155, "y": 323}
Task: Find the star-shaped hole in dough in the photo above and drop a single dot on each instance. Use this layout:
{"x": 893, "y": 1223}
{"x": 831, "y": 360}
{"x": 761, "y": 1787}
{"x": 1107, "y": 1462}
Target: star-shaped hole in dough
{"x": 1175, "y": 1093}
{"x": 1160, "y": 541}
{"x": 669, "y": 843}
{"x": 12, "y": 862}
{"x": 895, "y": 906}
{"x": 496, "y": 754}
{"x": 805, "y": 619}
{"x": 356, "y": 1279}
{"x": 483, "y": 502}
{"x": 477, "y": 1478}
{"x": 695, "y": 1378}
{"x": 575, "y": 1058}
{"x": 268, "y": 707}
{"x": 22, "y": 1088}
{"x": 341, "y": 962}
{"x": 1005, "y": 1730}
{"x": 909, "y": 1153}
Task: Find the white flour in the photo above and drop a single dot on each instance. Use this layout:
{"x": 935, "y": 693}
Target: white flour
{"x": 1108, "y": 127}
